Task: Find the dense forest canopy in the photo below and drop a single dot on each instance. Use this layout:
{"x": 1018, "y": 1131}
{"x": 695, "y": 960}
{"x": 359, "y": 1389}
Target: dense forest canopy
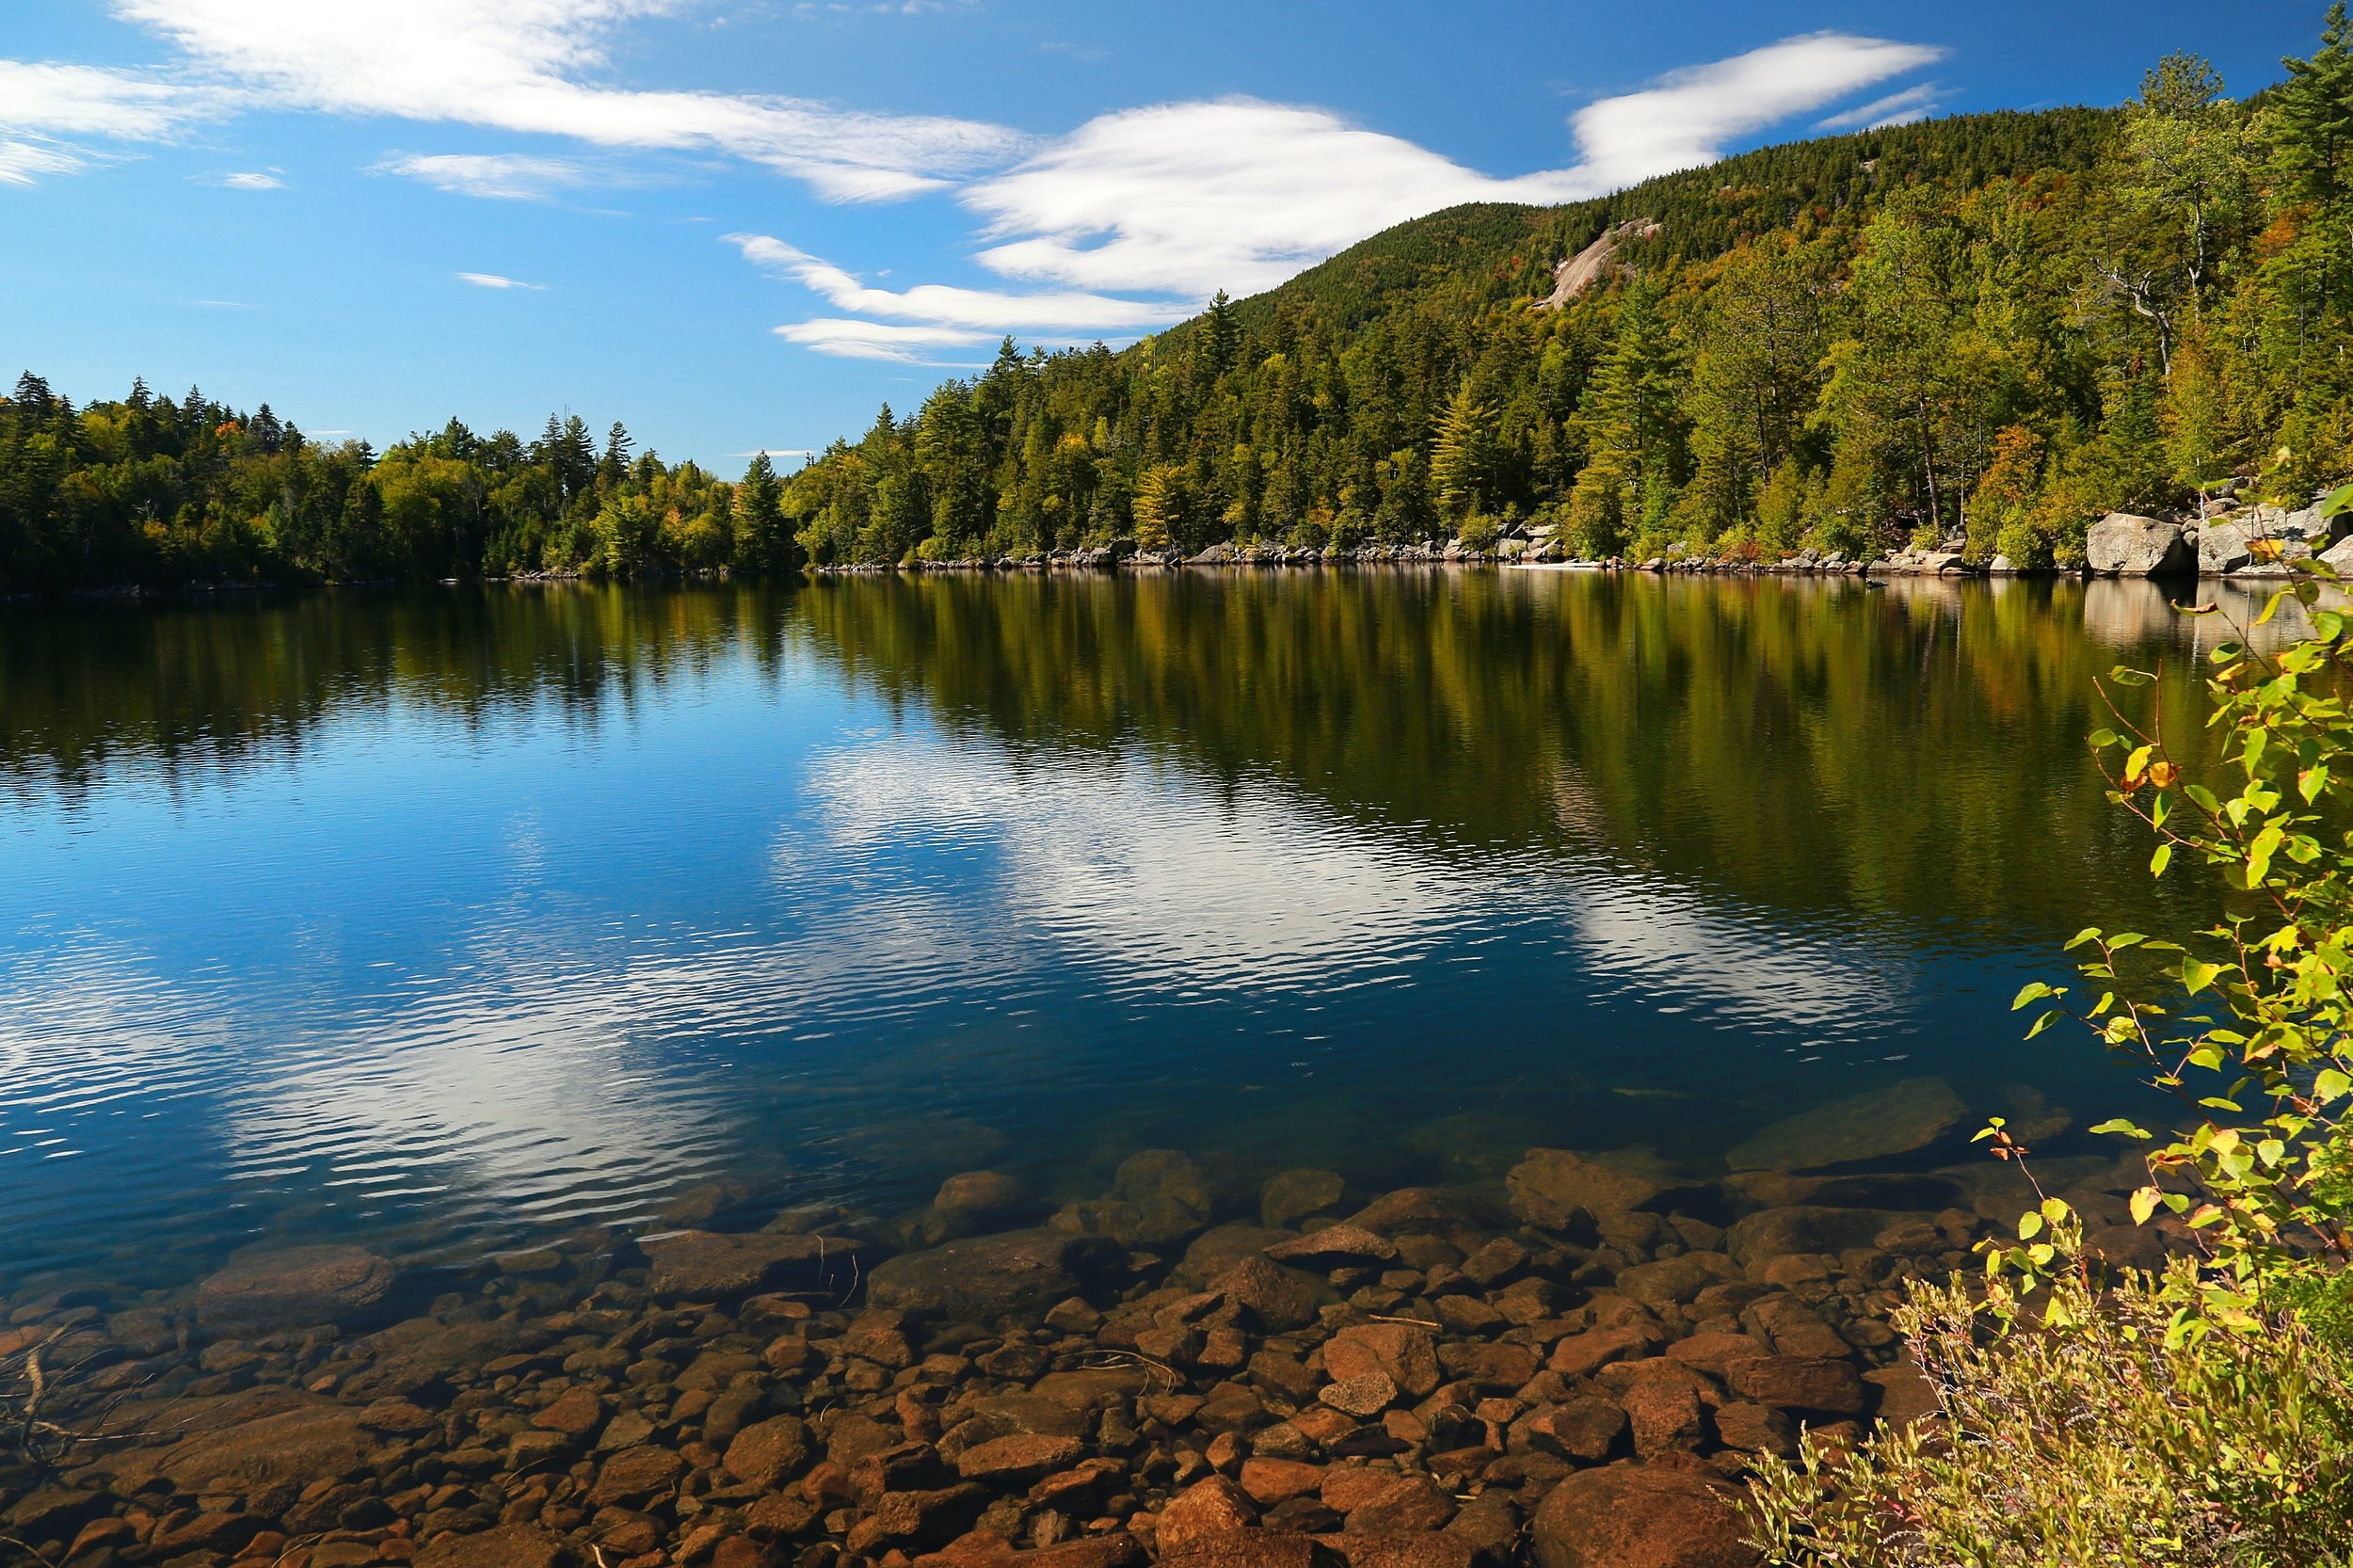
{"x": 1992, "y": 325}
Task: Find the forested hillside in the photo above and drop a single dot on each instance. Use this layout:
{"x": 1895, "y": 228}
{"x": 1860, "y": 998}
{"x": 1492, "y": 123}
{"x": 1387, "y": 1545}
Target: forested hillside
{"x": 2002, "y": 325}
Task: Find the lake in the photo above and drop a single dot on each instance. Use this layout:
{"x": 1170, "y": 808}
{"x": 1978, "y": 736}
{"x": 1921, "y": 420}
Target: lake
{"x": 450, "y": 925}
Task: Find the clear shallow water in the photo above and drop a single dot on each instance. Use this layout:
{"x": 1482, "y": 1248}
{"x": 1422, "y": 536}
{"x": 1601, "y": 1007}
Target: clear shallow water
{"x": 443, "y": 921}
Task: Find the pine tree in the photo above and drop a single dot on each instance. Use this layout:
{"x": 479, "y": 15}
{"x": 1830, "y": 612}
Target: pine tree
{"x": 1462, "y": 463}
{"x": 2314, "y": 129}
{"x": 1221, "y": 334}
{"x": 761, "y": 543}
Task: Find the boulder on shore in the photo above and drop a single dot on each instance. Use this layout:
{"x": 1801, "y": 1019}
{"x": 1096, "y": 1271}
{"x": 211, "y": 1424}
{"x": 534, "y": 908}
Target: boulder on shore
{"x": 2125, "y": 545}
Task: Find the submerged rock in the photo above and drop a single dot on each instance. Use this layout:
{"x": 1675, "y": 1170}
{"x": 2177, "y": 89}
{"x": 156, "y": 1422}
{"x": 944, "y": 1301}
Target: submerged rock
{"x": 1894, "y": 1120}
{"x": 295, "y": 1287}
{"x": 714, "y": 1264}
{"x": 1635, "y": 1516}
{"x": 987, "y": 1277}
{"x": 1562, "y": 1190}
{"x": 1295, "y": 1196}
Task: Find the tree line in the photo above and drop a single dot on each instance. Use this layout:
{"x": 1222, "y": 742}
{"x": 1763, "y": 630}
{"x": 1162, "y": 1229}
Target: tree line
{"x": 148, "y": 491}
{"x": 1989, "y": 327}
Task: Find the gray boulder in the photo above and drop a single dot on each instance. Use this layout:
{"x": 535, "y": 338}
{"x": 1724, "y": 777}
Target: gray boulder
{"x": 2304, "y": 524}
{"x": 2340, "y": 557}
{"x": 2124, "y": 545}
{"x": 2223, "y": 547}
{"x": 2233, "y": 544}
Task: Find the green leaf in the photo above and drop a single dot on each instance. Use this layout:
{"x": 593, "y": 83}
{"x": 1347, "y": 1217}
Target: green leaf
{"x": 2336, "y": 501}
{"x": 2119, "y": 1125}
{"x": 2125, "y": 674}
{"x": 2330, "y": 1084}
{"x": 2161, "y": 858}
{"x": 2196, "y": 976}
{"x": 2088, "y": 933}
{"x": 2144, "y": 1203}
{"x": 2029, "y": 1225}
{"x": 2034, "y": 990}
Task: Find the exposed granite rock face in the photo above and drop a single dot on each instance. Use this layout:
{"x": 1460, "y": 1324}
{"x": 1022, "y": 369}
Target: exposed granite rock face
{"x": 2123, "y": 544}
{"x": 1874, "y": 1126}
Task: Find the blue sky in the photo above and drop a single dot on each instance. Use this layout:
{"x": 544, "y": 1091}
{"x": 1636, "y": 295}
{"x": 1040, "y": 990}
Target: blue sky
{"x": 742, "y": 224}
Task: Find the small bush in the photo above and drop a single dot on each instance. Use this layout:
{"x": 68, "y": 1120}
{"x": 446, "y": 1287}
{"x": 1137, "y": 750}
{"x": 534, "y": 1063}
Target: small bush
{"x": 2107, "y": 1439}
{"x": 1480, "y": 532}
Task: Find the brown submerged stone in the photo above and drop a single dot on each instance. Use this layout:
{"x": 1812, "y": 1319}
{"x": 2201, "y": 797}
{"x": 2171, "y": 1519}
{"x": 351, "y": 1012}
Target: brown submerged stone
{"x": 503, "y": 1546}
{"x": 1634, "y": 1516}
{"x": 1205, "y": 1509}
{"x": 987, "y": 1277}
{"x": 296, "y": 1285}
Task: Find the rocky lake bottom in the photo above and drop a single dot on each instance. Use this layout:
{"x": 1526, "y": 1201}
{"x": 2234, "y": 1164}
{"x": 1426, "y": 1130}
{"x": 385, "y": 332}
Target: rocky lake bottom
{"x": 1207, "y": 1363}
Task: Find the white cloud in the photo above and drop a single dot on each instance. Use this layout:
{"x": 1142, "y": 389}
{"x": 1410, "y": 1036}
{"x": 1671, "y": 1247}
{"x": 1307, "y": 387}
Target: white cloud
{"x": 944, "y": 306}
{"x": 79, "y": 100}
{"x": 502, "y": 176}
{"x": 517, "y": 67}
{"x": 42, "y": 107}
{"x": 246, "y": 180}
{"x": 23, "y": 162}
{"x": 492, "y": 280}
{"x": 1691, "y": 115}
{"x": 1191, "y": 197}
{"x": 1897, "y": 109}
{"x": 877, "y": 340}
{"x": 1240, "y": 194}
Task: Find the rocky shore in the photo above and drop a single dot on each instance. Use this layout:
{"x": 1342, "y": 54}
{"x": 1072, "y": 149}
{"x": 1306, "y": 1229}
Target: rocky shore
{"x": 2230, "y": 540}
{"x": 1204, "y": 1365}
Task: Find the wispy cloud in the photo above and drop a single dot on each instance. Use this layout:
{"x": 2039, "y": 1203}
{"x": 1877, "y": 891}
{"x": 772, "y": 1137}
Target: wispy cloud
{"x": 1897, "y": 109}
{"x": 492, "y": 280}
{"x": 879, "y": 339}
{"x": 243, "y": 180}
{"x": 941, "y": 305}
{"x": 500, "y": 176}
{"x": 24, "y": 163}
{"x": 1688, "y": 117}
{"x": 518, "y": 67}
{"x": 46, "y": 110}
